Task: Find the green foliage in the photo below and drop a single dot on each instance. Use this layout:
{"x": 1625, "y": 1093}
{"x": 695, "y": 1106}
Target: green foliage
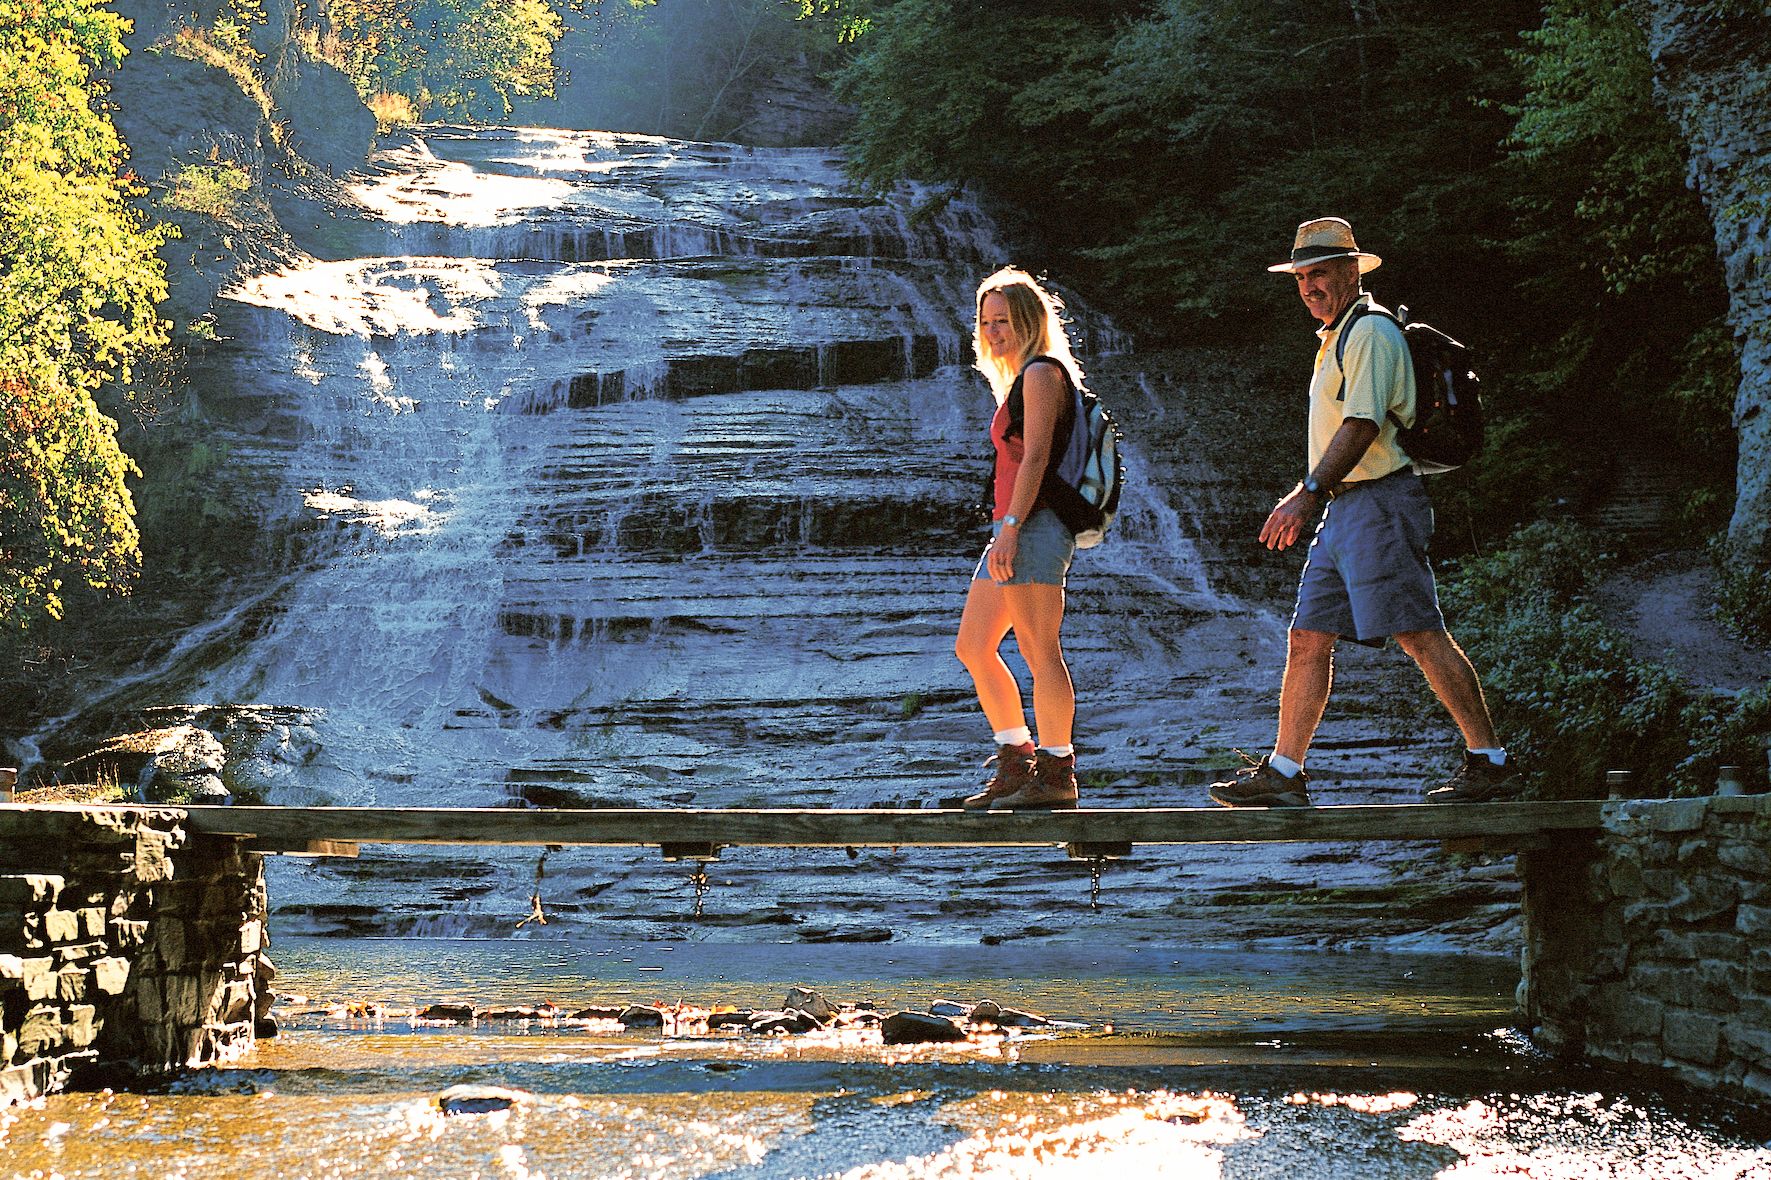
{"x": 1744, "y": 593}
{"x": 79, "y": 281}
{"x": 467, "y": 58}
{"x": 1565, "y": 689}
{"x": 213, "y": 190}
{"x": 850, "y": 21}
{"x": 1612, "y": 250}
{"x": 1167, "y": 152}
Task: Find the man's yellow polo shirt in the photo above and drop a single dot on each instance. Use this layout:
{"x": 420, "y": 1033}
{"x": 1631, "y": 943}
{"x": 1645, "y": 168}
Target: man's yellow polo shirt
{"x": 1379, "y": 379}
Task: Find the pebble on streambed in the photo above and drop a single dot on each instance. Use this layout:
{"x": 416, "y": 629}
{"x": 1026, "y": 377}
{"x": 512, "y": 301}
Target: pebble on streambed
{"x": 804, "y": 1010}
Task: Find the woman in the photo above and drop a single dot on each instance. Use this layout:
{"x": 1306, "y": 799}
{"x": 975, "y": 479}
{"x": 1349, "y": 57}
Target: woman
{"x": 1023, "y": 352}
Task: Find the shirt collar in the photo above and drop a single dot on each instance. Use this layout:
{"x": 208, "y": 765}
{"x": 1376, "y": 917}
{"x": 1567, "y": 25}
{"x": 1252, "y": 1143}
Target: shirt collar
{"x": 1327, "y": 330}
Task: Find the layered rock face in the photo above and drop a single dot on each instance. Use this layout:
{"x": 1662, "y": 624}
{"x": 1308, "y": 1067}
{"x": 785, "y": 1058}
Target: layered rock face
{"x": 1712, "y": 68}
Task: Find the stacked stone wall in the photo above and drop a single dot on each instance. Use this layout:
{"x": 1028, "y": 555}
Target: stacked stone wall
{"x": 125, "y": 943}
{"x": 1649, "y": 947}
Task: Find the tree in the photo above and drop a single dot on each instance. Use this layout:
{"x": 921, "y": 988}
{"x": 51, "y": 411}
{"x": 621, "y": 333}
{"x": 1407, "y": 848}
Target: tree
{"x": 1619, "y": 299}
{"x": 1165, "y": 149}
{"x": 467, "y": 57}
{"x": 79, "y": 281}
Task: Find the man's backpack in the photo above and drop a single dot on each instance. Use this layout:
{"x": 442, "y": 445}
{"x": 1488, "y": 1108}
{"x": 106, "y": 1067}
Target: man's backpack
{"x": 1448, "y": 424}
{"x": 1083, "y": 483}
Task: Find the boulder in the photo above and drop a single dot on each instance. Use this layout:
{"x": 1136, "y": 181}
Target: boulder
{"x": 598, "y": 1012}
{"x": 738, "y": 1019}
{"x": 793, "y": 1021}
{"x": 810, "y": 1002}
{"x": 469, "y": 1099}
{"x": 459, "y": 1012}
{"x": 858, "y": 1018}
{"x": 175, "y": 764}
{"x": 327, "y": 122}
{"x": 641, "y": 1016}
{"x": 1015, "y": 1018}
{"x": 917, "y": 1028}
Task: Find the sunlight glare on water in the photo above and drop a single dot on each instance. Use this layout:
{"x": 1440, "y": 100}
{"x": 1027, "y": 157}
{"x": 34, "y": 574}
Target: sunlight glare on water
{"x": 1162, "y": 1136}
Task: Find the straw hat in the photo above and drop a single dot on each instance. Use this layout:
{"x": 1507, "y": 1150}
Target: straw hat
{"x": 1324, "y": 238}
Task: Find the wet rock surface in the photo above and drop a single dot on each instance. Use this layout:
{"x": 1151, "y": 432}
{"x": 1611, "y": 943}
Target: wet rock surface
{"x": 803, "y": 1011}
{"x": 617, "y": 471}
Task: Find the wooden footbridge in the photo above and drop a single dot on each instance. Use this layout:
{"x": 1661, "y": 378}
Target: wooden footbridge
{"x": 691, "y": 834}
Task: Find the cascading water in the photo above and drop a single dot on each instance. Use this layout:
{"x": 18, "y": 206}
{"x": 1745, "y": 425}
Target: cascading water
{"x": 629, "y": 472}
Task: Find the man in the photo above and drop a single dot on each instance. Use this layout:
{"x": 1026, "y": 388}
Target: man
{"x": 1366, "y": 576}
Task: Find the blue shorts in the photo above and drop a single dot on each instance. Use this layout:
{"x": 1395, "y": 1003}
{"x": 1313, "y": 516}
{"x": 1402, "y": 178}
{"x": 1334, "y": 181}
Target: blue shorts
{"x": 1367, "y": 576}
{"x": 1043, "y": 557}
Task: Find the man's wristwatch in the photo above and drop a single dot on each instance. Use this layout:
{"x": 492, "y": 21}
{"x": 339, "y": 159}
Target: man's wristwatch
{"x": 1312, "y": 485}
{"x": 1011, "y": 522}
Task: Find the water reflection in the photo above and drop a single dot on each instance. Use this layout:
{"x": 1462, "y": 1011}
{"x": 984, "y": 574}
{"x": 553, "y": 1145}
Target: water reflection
{"x": 1232, "y": 1066}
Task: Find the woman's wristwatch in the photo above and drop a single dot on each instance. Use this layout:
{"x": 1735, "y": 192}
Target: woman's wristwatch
{"x": 1011, "y": 521}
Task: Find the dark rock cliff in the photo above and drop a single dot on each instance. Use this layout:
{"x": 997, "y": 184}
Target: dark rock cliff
{"x": 283, "y": 123}
{"x": 1712, "y": 70}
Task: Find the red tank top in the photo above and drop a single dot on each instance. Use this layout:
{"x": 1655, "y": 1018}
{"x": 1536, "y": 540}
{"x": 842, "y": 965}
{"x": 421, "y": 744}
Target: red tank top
{"x": 1011, "y": 449}
{"x": 1008, "y": 460}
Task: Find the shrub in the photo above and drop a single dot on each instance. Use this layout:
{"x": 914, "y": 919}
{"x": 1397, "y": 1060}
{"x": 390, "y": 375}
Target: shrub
{"x": 1743, "y": 590}
{"x": 213, "y": 190}
{"x": 392, "y": 110}
{"x": 1568, "y": 696}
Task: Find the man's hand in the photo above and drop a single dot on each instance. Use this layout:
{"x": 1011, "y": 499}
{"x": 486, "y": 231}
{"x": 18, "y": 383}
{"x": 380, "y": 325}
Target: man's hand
{"x": 1289, "y": 518}
{"x": 1297, "y": 512}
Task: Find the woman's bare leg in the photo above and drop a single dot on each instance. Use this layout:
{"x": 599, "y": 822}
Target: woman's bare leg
{"x": 1036, "y": 614}
{"x": 982, "y": 628}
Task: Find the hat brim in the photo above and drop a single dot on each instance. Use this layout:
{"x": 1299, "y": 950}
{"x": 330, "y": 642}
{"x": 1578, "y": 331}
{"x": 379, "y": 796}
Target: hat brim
{"x": 1367, "y": 262}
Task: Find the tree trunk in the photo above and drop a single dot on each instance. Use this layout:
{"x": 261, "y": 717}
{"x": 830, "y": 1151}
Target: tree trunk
{"x": 1713, "y": 75}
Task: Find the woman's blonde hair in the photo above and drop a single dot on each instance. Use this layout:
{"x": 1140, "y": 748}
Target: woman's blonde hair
{"x": 1036, "y": 315}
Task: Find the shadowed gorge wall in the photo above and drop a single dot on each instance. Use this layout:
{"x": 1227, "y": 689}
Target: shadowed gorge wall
{"x": 1712, "y": 67}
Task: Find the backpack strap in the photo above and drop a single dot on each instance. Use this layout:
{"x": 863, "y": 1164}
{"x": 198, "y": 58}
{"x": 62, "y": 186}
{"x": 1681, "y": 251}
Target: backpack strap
{"x": 1340, "y": 351}
{"x": 1017, "y": 403}
{"x": 1340, "y": 341}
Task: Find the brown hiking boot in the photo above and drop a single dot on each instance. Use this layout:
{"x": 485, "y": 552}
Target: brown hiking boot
{"x": 1053, "y": 786}
{"x": 1262, "y": 786}
{"x": 1478, "y": 781}
{"x": 1014, "y": 770}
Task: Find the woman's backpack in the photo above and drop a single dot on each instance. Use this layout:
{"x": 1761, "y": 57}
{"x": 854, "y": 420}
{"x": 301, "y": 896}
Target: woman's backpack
{"x": 1083, "y": 483}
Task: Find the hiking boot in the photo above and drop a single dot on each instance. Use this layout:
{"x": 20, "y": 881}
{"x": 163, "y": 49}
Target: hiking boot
{"x": 1014, "y": 770}
{"x": 1260, "y": 785}
{"x": 1478, "y": 781}
{"x": 1052, "y": 786}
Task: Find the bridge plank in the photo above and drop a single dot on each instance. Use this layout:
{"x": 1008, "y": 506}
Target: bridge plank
{"x": 300, "y": 828}
{"x": 790, "y": 827}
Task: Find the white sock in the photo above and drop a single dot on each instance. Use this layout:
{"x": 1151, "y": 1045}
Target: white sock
{"x": 1018, "y": 736}
{"x": 1284, "y": 765}
{"x": 1059, "y": 751}
{"x": 1498, "y": 755}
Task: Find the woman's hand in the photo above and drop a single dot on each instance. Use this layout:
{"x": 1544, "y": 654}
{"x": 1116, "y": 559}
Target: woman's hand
{"x": 1001, "y": 562}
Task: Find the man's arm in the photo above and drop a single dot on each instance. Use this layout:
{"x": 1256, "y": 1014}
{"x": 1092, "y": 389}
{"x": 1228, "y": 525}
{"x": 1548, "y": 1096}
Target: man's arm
{"x": 1286, "y": 523}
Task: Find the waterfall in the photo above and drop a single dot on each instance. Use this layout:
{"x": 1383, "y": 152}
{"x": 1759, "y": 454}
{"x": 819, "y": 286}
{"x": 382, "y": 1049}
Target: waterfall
{"x": 632, "y": 472}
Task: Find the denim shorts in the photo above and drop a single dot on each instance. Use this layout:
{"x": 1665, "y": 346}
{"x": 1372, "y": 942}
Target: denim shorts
{"x": 1043, "y": 557}
{"x": 1367, "y": 576}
